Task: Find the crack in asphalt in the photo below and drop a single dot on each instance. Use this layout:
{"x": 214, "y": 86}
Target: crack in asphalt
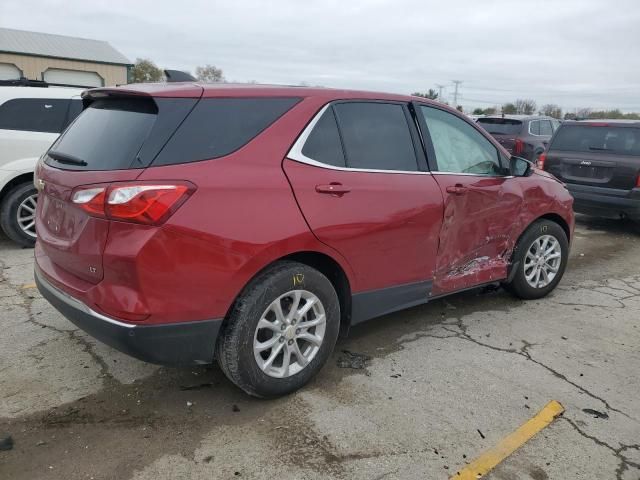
{"x": 73, "y": 335}
{"x": 463, "y": 334}
{"x": 625, "y": 462}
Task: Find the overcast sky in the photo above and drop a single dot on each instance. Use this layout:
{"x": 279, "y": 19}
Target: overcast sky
{"x": 576, "y": 53}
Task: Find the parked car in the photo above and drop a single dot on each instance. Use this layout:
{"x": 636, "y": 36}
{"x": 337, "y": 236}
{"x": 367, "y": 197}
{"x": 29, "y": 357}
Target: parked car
{"x": 599, "y": 160}
{"x": 31, "y": 118}
{"x": 250, "y": 224}
{"x": 526, "y": 136}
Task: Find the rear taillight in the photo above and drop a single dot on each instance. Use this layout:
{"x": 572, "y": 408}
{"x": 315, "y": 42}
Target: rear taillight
{"x": 518, "y": 147}
{"x": 541, "y": 159}
{"x": 146, "y": 203}
{"x": 638, "y": 181}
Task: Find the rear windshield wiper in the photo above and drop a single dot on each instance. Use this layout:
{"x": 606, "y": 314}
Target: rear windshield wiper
{"x": 600, "y": 149}
{"x": 66, "y": 158}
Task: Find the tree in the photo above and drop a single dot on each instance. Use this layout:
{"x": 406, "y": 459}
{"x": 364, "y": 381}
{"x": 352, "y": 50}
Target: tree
{"x": 478, "y": 111}
{"x": 583, "y": 113}
{"x": 509, "y": 109}
{"x": 551, "y": 110}
{"x": 525, "y": 106}
{"x": 209, "y": 74}
{"x": 485, "y": 111}
{"x": 431, "y": 94}
{"x": 145, "y": 71}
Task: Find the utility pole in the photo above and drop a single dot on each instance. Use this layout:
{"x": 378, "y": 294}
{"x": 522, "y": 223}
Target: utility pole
{"x": 440, "y": 87}
{"x": 455, "y": 92}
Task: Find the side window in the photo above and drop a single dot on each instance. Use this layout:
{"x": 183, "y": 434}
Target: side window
{"x": 219, "y": 126}
{"x": 376, "y": 136}
{"x": 459, "y": 147}
{"x": 534, "y": 127}
{"x": 33, "y": 114}
{"x": 323, "y": 144}
{"x": 556, "y": 124}
{"x": 545, "y": 127}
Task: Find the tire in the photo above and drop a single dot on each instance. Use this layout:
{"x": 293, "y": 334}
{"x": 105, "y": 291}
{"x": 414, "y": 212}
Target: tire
{"x": 519, "y": 285}
{"x": 11, "y": 204}
{"x": 278, "y": 285}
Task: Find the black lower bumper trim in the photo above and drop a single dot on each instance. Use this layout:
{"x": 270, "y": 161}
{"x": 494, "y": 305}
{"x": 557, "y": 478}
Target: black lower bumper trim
{"x": 187, "y": 343}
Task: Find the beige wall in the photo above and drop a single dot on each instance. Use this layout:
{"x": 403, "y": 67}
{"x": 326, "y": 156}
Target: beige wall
{"x": 33, "y": 67}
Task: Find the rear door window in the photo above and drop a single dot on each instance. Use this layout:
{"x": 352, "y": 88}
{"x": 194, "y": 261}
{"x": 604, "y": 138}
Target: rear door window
{"x": 546, "y": 128}
{"x": 323, "y": 144}
{"x": 587, "y": 138}
{"x": 106, "y": 136}
{"x": 34, "y": 114}
{"x": 376, "y": 136}
{"x": 534, "y": 127}
{"x": 501, "y": 126}
{"x": 219, "y": 126}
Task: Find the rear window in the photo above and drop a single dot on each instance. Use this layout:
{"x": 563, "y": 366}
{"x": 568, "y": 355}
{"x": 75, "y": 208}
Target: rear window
{"x": 501, "y": 126}
{"x": 107, "y": 135}
{"x": 610, "y": 139}
{"x": 220, "y": 126}
{"x": 34, "y": 114}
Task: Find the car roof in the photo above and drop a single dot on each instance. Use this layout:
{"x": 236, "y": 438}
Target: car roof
{"x": 518, "y": 117}
{"x": 610, "y": 121}
{"x": 194, "y": 89}
{"x": 9, "y": 93}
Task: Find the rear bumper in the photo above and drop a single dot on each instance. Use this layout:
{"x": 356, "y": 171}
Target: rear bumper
{"x": 187, "y": 343}
{"x": 606, "y": 201}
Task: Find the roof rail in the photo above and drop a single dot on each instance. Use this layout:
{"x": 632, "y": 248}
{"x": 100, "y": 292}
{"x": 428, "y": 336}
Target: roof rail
{"x": 25, "y": 82}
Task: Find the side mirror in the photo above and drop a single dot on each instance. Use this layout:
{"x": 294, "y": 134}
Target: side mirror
{"x": 520, "y": 167}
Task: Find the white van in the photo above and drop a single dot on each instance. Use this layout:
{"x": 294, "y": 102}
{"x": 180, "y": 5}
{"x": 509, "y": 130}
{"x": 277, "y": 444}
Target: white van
{"x": 31, "y": 118}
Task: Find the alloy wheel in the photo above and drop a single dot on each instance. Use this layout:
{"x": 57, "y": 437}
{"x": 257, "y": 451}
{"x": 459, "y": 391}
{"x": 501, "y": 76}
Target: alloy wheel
{"x": 542, "y": 261}
{"x": 26, "y": 215}
{"x": 289, "y": 334}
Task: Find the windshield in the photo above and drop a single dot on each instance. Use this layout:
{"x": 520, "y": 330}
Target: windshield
{"x": 501, "y": 126}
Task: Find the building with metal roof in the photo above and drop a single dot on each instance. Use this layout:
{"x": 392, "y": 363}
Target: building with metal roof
{"x": 60, "y": 59}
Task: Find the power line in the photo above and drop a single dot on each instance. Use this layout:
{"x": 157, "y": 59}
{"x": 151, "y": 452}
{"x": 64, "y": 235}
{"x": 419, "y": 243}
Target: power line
{"x": 440, "y": 87}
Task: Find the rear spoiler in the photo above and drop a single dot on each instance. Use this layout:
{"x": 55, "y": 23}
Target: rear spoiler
{"x": 178, "y": 76}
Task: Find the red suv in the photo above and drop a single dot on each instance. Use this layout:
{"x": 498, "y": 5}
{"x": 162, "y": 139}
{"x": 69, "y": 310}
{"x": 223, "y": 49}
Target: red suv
{"x": 183, "y": 223}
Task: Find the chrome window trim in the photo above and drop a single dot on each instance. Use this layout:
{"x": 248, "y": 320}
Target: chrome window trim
{"x": 77, "y": 304}
{"x": 295, "y": 153}
{"x": 473, "y": 174}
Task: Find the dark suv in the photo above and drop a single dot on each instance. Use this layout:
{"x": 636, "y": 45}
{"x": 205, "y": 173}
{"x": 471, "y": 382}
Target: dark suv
{"x": 600, "y": 163}
{"x": 526, "y": 136}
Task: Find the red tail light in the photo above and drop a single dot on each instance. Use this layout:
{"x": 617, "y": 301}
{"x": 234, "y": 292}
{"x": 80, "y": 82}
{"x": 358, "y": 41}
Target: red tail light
{"x": 146, "y": 203}
{"x": 518, "y": 147}
{"x": 541, "y": 159}
{"x": 638, "y": 181}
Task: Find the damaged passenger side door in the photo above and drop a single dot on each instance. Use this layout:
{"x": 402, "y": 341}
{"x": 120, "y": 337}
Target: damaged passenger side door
{"x": 481, "y": 202}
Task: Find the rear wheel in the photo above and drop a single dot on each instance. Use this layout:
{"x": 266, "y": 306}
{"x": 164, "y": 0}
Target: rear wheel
{"x": 18, "y": 214}
{"x": 280, "y": 331}
{"x": 540, "y": 259}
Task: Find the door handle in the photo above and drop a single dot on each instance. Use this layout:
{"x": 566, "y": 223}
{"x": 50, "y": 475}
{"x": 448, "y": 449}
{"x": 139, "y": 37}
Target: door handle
{"x": 333, "y": 189}
{"x": 456, "y": 189}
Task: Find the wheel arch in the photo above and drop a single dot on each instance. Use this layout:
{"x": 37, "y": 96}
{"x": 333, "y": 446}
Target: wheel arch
{"x": 17, "y": 180}
{"x": 554, "y": 217}
{"x": 326, "y": 265}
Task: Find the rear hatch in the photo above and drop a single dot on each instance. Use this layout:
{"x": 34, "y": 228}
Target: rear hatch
{"x": 597, "y": 154}
{"x": 504, "y": 130}
{"x": 117, "y": 135}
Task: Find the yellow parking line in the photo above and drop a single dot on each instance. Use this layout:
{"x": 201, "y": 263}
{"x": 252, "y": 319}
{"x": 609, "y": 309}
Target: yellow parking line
{"x": 28, "y": 285}
{"x": 492, "y": 457}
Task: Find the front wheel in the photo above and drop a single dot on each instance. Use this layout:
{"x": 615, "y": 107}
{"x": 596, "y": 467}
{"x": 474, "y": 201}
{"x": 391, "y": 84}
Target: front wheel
{"x": 281, "y": 330}
{"x": 540, "y": 259}
{"x": 18, "y": 214}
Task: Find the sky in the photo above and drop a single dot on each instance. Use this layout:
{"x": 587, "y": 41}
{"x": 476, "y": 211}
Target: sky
{"x": 575, "y": 53}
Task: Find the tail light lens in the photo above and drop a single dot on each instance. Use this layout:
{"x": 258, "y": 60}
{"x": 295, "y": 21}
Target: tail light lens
{"x": 145, "y": 203}
{"x": 518, "y": 147}
{"x": 638, "y": 181}
{"x": 541, "y": 159}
